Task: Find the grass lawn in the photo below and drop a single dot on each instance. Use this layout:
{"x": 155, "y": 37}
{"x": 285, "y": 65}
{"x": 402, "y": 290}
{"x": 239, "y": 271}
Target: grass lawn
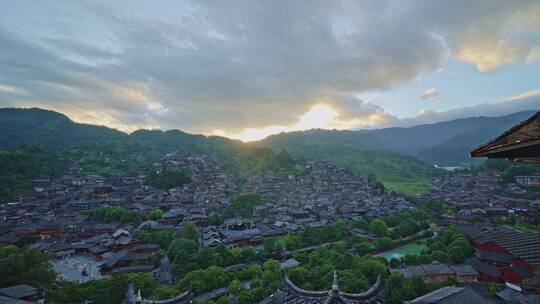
{"x": 411, "y": 249}
{"x": 409, "y": 186}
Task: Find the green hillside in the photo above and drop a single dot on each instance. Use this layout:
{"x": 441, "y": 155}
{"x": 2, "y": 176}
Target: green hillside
{"x": 445, "y": 143}
{"x": 47, "y": 129}
{"x": 397, "y": 171}
{"x": 455, "y": 150}
{"x": 42, "y": 144}
{"x": 20, "y": 166}
{"x": 392, "y": 155}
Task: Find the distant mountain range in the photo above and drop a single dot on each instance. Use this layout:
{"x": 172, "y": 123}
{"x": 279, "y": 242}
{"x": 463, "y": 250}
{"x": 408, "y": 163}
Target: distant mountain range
{"x": 400, "y": 157}
{"x": 444, "y": 143}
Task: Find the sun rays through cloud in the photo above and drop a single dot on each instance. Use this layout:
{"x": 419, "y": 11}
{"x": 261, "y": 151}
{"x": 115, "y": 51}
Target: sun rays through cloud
{"x": 319, "y": 116}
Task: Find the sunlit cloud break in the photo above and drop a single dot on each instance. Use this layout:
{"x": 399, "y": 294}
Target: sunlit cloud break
{"x": 319, "y": 116}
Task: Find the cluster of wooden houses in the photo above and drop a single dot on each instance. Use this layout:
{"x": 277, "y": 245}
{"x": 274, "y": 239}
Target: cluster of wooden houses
{"x": 478, "y": 201}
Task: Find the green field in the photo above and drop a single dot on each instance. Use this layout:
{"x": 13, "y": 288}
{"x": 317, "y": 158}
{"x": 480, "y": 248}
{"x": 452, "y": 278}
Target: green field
{"x": 410, "y": 186}
{"x": 411, "y": 249}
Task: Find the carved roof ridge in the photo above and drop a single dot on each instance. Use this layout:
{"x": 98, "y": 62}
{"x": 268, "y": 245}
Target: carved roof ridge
{"x": 374, "y": 290}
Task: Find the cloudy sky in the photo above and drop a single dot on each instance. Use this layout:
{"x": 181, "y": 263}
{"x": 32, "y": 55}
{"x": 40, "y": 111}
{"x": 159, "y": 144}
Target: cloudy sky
{"x": 247, "y": 69}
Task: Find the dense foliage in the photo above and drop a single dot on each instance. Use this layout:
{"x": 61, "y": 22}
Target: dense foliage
{"x": 356, "y": 273}
{"x": 21, "y": 165}
{"x": 47, "y": 129}
{"x": 242, "y": 205}
{"x": 393, "y": 169}
{"x": 110, "y": 214}
{"x": 25, "y": 266}
{"x": 399, "y": 289}
{"x": 107, "y": 152}
{"x": 168, "y": 178}
{"x": 449, "y": 246}
{"x": 320, "y": 251}
{"x": 110, "y": 290}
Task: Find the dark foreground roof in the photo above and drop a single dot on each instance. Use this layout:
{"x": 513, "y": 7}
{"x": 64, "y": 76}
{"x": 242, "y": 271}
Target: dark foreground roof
{"x": 524, "y": 245}
{"x": 18, "y": 291}
{"x": 6, "y": 300}
{"x": 451, "y": 295}
{"x": 291, "y": 294}
{"x": 521, "y": 142}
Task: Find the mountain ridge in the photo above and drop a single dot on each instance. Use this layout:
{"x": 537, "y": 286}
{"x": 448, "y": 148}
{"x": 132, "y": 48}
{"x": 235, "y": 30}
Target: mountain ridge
{"x": 403, "y": 158}
{"x": 442, "y": 143}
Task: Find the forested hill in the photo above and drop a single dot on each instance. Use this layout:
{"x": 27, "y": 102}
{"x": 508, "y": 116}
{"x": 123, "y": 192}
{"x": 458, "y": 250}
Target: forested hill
{"x": 47, "y": 129}
{"x": 400, "y": 171}
{"x": 446, "y": 143}
{"x": 35, "y": 143}
{"x": 389, "y": 154}
{"x": 109, "y": 151}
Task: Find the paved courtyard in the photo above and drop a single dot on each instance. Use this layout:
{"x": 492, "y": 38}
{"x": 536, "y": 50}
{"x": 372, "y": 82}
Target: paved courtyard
{"x": 70, "y": 269}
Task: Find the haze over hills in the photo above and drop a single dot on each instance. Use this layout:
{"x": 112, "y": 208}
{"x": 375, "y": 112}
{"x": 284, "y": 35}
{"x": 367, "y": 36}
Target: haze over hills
{"x": 52, "y": 131}
{"x": 400, "y": 157}
{"x": 445, "y": 143}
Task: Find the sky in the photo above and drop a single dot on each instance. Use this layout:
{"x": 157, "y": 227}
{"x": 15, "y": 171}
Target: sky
{"x": 249, "y": 69}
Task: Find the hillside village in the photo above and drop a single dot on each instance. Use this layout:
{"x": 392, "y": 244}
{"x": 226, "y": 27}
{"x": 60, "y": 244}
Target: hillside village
{"x": 56, "y": 214}
{"x": 57, "y": 217}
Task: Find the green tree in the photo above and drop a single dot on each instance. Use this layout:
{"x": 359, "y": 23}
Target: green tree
{"x": 383, "y": 242}
{"x": 190, "y": 231}
{"x": 156, "y": 214}
{"x": 235, "y": 287}
{"x": 361, "y": 223}
{"x": 25, "y": 266}
{"x": 183, "y": 253}
{"x": 493, "y": 289}
{"x": 244, "y": 297}
{"x": 214, "y": 219}
{"x": 131, "y": 216}
{"x": 379, "y": 228}
{"x": 363, "y": 248}
{"x": 167, "y": 178}
{"x": 223, "y": 300}
{"x": 440, "y": 256}
{"x": 456, "y": 255}
{"x": 242, "y": 205}
{"x": 250, "y": 273}
{"x": 272, "y": 247}
{"x": 394, "y": 288}
{"x": 395, "y": 263}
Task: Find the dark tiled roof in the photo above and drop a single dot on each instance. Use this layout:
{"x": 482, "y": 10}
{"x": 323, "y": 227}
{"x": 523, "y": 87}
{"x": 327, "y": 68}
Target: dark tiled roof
{"x": 482, "y": 267}
{"x": 463, "y": 270}
{"x": 138, "y": 268}
{"x": 498, "y": 257}
{"x": 296, "y": 295}
{"x": 521, "y": 141}
{"x": 7, "y": 300}
{"x": 523, "y": 272}
{"x": 451, "y": 295}
{"x": 18, "y": 291}
{"x": 523, "y": 245}
{"x": 437, "y": 268}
